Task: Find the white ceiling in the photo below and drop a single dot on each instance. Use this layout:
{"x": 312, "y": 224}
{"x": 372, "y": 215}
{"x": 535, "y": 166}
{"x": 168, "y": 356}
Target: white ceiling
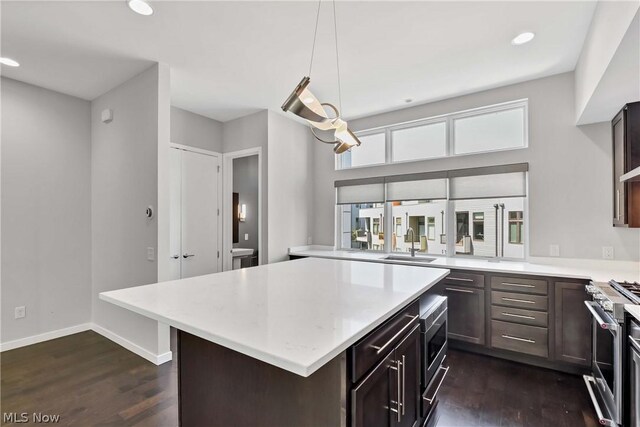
{"x": 229, "y": 59}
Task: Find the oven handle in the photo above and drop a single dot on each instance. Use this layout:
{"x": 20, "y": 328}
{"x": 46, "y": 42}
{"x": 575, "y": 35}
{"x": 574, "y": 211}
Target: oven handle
{"x": 435, "y": 393}
{"x": 601, "y": 419}
{"x": 634, "y": 343}
{"x": 591, "y": 306}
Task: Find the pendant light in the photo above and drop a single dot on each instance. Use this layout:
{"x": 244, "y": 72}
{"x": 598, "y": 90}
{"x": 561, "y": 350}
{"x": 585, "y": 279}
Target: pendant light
{"x": 322, "y": 116}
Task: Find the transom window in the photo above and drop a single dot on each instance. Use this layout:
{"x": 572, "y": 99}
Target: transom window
{"x": 491, "y": 128}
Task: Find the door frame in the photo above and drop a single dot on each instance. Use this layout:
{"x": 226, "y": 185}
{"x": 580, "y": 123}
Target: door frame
{"x": 227, "y": 204}
{"x": 219, "y": 157}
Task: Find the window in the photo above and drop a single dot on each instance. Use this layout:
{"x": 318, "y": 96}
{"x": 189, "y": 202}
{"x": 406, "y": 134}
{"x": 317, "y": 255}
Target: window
{"x": 431, "y": 228}
{"x": 463, "y": 244}
{"x": 362, "y": 226}
{"x": 478, "y": 226}
{"x": 490, "y": 128}
{"x": 515, "y": 227}
{"x": 419, "y": 142}
{"x": 370, "y": 152}
{"x": 421, "y": 216}
{"x": 496, "y": 130}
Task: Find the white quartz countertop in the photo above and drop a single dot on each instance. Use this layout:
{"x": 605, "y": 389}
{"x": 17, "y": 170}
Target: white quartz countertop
{"x": 597, "y": 270}
{"x": 295, "y": 315}
{"x": 634, "y": 310}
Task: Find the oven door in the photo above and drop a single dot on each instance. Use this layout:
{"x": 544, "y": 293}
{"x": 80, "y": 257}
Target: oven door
{"x": 434, "y": 348}
{"x": 607, "y": 366}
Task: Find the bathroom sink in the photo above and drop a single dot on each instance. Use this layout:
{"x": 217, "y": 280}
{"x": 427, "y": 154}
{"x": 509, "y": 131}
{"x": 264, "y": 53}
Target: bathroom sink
{"x": 237, "y": 252}
{"x": 407, "y": 258}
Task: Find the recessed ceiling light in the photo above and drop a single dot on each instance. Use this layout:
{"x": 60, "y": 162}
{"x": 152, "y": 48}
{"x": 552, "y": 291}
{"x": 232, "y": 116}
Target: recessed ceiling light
{"x": 10, "y": 62}
{"x": 140, "y": 6}
{"x": 522, "y": 38}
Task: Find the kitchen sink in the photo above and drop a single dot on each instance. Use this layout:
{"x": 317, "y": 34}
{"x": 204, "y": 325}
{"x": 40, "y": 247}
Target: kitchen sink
{"x": 407, "y": 258}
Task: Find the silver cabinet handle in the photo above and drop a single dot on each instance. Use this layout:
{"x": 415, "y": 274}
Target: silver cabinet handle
{"x": 524, "y": 301}
{"x": 518, "y": 285}
{"x": 612, "y": 326}
{"x": 459, "y": 279}
{"x": 634, "y": 342}
{"x": 397, "y": 401}
{"x": 509, "y": 337}
{"x": 393, "y": 338}
{"x": 519, "y": 316}
{"x": 601, "y": 419}
{"x": 404, "y": 369}
{"x": 186, "y": 255}
{"x": 464, "y": 291}
{"x": 435, "y": 393}
{"x": 176, "y": 256}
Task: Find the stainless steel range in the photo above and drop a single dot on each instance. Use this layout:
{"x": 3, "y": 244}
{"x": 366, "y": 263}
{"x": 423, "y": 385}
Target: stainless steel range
{"x": 609, "y": 338}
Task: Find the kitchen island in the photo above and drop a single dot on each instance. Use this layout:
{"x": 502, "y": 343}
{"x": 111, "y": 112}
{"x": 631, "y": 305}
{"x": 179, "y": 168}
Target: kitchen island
{"x": 268, "y": 345}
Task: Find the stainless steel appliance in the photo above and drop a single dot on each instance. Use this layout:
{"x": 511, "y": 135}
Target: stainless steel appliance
{"x": 433, "y": 341}
{"x": 605, "y": 385}
{"x": 633, "y": 375}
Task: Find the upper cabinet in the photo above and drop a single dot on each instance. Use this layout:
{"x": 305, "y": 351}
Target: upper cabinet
{"x": 626, "y": 158}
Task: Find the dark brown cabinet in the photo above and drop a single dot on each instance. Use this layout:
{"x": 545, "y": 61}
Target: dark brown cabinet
{"x": 572, "y": 324}
{"x": 388, "y": 395}
{"x": 625, "y": 128}
{"x": 466, "y": 313}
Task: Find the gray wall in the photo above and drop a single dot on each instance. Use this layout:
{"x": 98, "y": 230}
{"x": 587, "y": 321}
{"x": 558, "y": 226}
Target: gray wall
{"x": 46, "y": 210}
{"x": 245, "y": 183}
{"x": 249, "y": 132}
{"x": 290, "y": 188}
{"x": 570, "y": 189}
{"x": 192, "y": 129}
{"x": 124, "y": 181}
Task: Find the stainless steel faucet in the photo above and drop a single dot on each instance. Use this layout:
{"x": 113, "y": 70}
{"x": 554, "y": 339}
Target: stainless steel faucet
{"x": 413, "y": 237}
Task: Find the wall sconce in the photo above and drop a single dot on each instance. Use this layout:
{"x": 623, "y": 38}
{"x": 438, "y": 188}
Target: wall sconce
{"x": 242, "y": 213}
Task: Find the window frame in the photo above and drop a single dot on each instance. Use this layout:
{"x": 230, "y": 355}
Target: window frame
{"x": 473, "y": 226}
{"x": 449, "y": 119}
{"x": 520, "y": 223}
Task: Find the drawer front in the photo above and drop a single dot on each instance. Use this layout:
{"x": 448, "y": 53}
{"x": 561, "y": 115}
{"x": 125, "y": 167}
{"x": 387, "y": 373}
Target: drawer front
{"x": 528, "y": 302}
{"x": 519, "y": 315}
{"x": 459, "y": 278}
{"x": 375, "y": 346}
{"x": 518, "y": 284}
{"x": 520, "y": 338}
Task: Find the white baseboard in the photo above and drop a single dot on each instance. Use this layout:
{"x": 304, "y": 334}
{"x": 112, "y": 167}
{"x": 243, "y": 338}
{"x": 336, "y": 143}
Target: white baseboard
{"x": 34, "y": 339}
{"x": 157, "y": 359}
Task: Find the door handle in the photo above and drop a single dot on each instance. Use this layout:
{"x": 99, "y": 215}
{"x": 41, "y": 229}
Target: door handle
{"x": 188, "y": 255}
{"x": 175, "y": 256}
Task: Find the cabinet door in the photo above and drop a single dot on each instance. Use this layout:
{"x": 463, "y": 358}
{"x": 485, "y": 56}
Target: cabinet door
{"x": 572, "y": 323}
{"x": 466, "y": 313}
{"x": 408, "y": 354}
{"x": 619, "y": 169}
{"x": 634, "y": 388}
{"x": 376, "y": 396}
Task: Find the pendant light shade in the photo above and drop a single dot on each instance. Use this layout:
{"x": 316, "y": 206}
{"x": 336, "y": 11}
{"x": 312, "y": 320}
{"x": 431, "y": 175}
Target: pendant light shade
{"x": 305, "y": 105}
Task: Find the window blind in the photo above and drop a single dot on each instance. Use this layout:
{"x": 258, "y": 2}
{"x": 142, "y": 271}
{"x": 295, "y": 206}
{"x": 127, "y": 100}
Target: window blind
{"x": 512, "y": 184}
{"x": 370, "y": 190}
{"x": 428, "y": 189}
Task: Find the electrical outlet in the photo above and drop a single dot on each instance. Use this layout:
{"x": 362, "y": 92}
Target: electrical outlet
{"x": 20, "y": 312}
{"x": 151, "y": 254}
{"x": 607, "y": 252}
{"x": 246, "y": 236}
{"x": 554, "y": 250}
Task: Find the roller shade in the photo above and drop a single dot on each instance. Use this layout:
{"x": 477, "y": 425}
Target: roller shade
{"x": 513, "y": 184}
{"x": 430, "y": 189}
{"x": 370, "y": 190}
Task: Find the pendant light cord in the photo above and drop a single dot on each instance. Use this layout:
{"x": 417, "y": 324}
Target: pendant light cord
{"x": 315, "y": 35}
{"x": 335, "y": 31}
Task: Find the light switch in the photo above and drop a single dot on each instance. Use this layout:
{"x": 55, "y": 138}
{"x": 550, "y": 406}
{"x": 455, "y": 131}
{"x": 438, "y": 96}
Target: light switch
{"x": 607, "y": 252}
{"x": 554, "y": 250}
{"x": 151, "y": 254}
{"x": 246, "y": 236}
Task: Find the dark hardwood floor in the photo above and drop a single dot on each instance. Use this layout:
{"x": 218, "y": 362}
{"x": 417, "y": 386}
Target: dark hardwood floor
{"x": 90, "y": 381}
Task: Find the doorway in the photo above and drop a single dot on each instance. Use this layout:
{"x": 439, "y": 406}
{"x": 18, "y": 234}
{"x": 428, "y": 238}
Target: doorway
{"x": 194, "y": 220}
{"x": 242, "y": 209}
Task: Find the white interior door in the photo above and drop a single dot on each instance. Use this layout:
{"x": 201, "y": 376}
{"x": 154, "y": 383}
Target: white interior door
{"x": 199, "y": 214}
{"x": 175, "y": 213}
